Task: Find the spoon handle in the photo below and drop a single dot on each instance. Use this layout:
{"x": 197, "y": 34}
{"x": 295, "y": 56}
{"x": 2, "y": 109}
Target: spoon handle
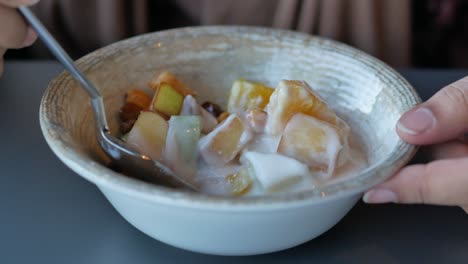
{"x": 62, "y": 56}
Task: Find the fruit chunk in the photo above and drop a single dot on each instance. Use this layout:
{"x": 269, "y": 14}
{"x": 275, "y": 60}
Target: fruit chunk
{"x": 312, "y": 141}
{"x": 135, "y": 102}
{"x": 138, "y": 97}
{"x": 240, "y": 182}
{"x": 256, "y": 119}
{"x": 344, "y": 131}
{"x": 128, "y": 115}
{"x": 291, "y": 97}
{"x": 214, "y": 179}
{"x": 167, "y": 100}
{"x": 148, "y": 135}
{"x": 181, "y": 151}
{"x": 274, "y": 171}
{"x": 170, "y": 79}
{"x": 223, "y": 143}
{"x": 190, "y": 107}
{"x": 248, "y": 95}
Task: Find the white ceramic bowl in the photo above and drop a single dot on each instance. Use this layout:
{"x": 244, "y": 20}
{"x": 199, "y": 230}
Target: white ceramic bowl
{"x": 367, "y": 93}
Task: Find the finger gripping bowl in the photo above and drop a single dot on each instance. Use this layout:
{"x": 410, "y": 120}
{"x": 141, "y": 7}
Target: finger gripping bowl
{"x": 365, "y": 92}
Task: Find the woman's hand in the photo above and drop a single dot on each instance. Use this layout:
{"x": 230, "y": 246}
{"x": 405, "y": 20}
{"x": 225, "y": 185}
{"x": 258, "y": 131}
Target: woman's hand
{"x": 14, "y": 33}
{"x": 442, "y": 121}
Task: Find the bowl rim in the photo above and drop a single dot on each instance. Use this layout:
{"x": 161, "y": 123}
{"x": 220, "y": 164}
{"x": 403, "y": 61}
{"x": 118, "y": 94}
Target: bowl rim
{"x": 107, "y": 179}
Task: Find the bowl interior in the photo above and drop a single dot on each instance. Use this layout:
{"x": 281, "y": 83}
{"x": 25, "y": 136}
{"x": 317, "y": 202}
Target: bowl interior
{"x": 364, "y": 91}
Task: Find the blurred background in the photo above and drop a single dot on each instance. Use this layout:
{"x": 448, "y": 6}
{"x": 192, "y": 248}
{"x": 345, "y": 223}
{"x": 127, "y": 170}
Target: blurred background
{"x": 403, "y": 33}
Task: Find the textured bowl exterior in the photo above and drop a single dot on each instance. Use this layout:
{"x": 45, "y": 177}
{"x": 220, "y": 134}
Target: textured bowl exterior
{"x": 364, "y": 91}
{"x": 231, "y": 233}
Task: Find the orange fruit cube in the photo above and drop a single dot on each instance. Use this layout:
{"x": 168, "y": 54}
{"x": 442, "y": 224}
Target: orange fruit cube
{"x": 312, "y": 141}
{"x": 246, "y": 95}
{"x": 291, "y": 97}
{"x": 170, "y": 79}
{"x": 138, "y": 97}
{"x": 223, "y": 143}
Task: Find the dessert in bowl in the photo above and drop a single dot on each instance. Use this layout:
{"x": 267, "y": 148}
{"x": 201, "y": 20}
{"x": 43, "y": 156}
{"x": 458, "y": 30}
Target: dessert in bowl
{"x": 265, "y": 216}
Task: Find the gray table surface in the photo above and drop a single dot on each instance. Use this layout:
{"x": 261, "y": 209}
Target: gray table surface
{"x": 48, "y": 214}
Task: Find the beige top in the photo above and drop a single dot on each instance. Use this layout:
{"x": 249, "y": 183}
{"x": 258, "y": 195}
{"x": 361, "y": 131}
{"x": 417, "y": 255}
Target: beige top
{"x": 381, "y": 28}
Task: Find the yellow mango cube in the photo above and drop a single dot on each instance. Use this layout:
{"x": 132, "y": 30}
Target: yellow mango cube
{"x": 291, "y": 97}
{"x": 248, "y": 95}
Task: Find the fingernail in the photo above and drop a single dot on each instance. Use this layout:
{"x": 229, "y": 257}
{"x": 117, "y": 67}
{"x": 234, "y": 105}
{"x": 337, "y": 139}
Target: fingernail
{"x": 416, "y": 122}
{"x": 380, "y": 196}
{"x": 30, "y": 38}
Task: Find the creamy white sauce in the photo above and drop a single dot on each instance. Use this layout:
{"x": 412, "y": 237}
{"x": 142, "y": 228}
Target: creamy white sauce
{"x": 212, "y": 180}
{"x": 263, "y": 143}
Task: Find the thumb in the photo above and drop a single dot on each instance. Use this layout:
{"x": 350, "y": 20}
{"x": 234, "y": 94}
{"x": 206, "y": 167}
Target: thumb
{"x": 441, "y": 182}
{"x": 441, "y": 118}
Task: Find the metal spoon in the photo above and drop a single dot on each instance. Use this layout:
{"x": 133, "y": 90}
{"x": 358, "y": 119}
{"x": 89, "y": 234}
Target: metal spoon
{"x": 121, "y": 154}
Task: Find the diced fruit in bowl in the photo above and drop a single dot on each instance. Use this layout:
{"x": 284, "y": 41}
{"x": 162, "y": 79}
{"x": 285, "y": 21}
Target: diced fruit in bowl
{"x": 223, "y": 180}
{"x": 256, "y": 119}
{"x": 291, "y": 97}
{"x": 311, "y": 141}
{"x": 167, "y": 100}
{"x": 135, "y": 102}
{"x": 248, "y": 95}
{"x": 138, "y": 97}
{"x": 191, "y": 107}
{"x": 128, "y": 115}
{"x": 148, "y": 135}
{"x": 274, "y": 171}
{"x": 222, "y": 144}
{"x": 344, "y": 132}
{"x": 240, "y": 182}
{"x": 181, "y": 151}
{"x": 268, "y": 140}
{"x": 173, "y": 81}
